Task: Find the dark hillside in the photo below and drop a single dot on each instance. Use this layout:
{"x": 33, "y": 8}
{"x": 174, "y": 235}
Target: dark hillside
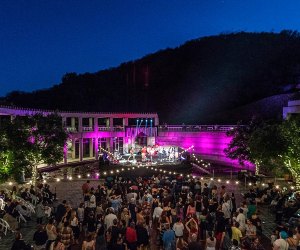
{"x": 191, "y": 83}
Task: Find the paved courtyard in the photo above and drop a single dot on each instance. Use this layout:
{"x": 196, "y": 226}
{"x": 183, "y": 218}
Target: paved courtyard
{"x": 71, "y": 191}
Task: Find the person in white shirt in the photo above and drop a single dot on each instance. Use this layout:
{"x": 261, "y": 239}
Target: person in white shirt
{"x": 178, "y": 228}
{"x": 157, "y": 212}
{"x": 226, "y": 210}
{"x": 241, "y": 219}
{"x": 244, "y": 207}
{"x": 109, "y": 218}
{"x": 92, "y": 202}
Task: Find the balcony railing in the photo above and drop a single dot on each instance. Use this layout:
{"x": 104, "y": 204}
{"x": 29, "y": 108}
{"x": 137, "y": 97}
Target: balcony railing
{"x": 116, "y": 128}
{"x": 162, "y": 128}
{"x": 71, "y": 129}
{"x": 195, "y": 128}
{"x": 85, "y": 129}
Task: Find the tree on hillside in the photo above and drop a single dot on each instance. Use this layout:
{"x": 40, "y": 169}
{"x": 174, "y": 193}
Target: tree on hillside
{"x": 31, "y": 141}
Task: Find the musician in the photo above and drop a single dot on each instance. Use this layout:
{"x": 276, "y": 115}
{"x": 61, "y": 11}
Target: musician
{"x": 152, "y": 152}
{"x": 144, "y": 152}
{"x": 131, "y": 151}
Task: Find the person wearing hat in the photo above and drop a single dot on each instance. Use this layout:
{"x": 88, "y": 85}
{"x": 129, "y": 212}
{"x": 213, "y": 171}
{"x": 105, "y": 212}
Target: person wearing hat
{"x": 281, "y": 243}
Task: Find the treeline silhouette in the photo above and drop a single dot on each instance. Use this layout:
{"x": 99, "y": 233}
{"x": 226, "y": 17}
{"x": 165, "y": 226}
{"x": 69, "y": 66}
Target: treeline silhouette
{"x": 198, "y": 82}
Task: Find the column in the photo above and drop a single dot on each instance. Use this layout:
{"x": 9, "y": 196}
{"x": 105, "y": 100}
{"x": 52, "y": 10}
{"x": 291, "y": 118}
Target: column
{"x": 125, "y": 121}
{"x": 96, "y": 124}
{"x": 91, "y": 146}
{"x": 125, "y": 140}
{"x": 73, "y": 123}
{"x": 96, "y": 144}
{"x": 91, "y": 122}
{"x": 73, "y": 149}
{"x": 79, "y": 124}
{"x": 96, "y": 138}
{"x": 111, "y": 123}
{"x": 80, "y": 149}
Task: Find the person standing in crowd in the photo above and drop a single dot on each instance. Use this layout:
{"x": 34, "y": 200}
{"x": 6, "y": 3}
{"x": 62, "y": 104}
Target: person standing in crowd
{"x": 178, "y": 228}
{"x": 236, "y": 232}
{"x": 61, "y": 211}
{"x": 85, "y": 187}
{"x": 19, "y": 243}
{"x": 241, "y": 219}
{"x": 57, "y": 244}
{"x": 88, "y": 243}
{"x": 74, "y": 222}
{"x": 51, "y": 232}
{"x": 66, "y": 235}
{"x": 235, "y": 245}
{"x": 168, "y": 238}
{"x": 109, "y": 218}
{"x": 92, "y": 201}
{"x": 39, "y": 212}
{"x": 192, "y": 227}
{"x": 281, "y": 243}
{"x": 131, "y": 237}
{"x": 142, "y": 236}
{"x": 211, "y": 242}
{"x": 40, "y": 238}
{"x": 194, "y": 244}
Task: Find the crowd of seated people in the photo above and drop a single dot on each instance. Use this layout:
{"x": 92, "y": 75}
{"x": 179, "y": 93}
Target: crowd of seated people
{"x": 17, "y": 206}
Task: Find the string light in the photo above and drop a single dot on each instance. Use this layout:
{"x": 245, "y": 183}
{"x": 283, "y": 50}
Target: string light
{"x": 79, "y": 176}
{"x": 185, "y": 150}
{"x": 198, "y": 161}
{"x": 57, "y": 179}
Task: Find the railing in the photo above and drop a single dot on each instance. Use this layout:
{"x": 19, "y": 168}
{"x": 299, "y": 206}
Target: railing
{"x": 71, "y": 129}
{"x": 116, "y": 128}
{"x": 103, "y": 128}
{"x": 163, "y": 128}
{"x": 85, "y": 129}
{"x": 195, "y": 128}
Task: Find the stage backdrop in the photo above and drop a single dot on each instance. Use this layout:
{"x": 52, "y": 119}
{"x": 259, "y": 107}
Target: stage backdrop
{"x": 209, "y": 145}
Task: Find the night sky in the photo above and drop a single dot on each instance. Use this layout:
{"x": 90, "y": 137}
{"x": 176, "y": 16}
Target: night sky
{"x": 42, "y": 40}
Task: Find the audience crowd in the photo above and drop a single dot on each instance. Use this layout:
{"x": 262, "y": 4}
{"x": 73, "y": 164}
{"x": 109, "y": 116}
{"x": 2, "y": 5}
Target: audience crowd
{"x": 152, "y": 213}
